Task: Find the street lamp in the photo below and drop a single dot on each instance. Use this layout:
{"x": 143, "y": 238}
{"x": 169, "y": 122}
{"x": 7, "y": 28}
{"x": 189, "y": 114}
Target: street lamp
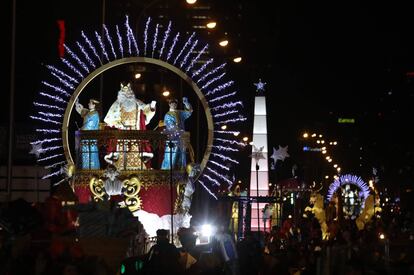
{"x": 237, "y": 59}
{"x": 211, "y": 25}
{"x": 223, "y": 43}
{"x": 166, "y": 93}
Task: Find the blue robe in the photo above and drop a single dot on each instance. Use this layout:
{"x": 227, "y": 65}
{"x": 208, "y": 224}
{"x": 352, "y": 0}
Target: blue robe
{"x": 89, "y": 151}
{"x": 175, "y": 119}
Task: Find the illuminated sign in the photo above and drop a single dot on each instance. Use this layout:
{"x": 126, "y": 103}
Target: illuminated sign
{"x": 346, "y": 120}
{"x": 306, "y": 148}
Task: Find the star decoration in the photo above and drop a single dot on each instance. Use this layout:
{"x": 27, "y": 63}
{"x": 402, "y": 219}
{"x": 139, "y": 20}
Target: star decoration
{"x": 260, "y": 86}
{"x": 257, "y": 153}
{"x": 36, "y": 149}
{"x": 279, "y": 154}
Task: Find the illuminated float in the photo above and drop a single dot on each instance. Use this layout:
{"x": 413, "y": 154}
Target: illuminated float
{"x": 111, "y": 157}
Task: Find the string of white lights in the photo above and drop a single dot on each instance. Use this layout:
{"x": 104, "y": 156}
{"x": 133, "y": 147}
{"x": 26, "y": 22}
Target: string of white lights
{"x": 185, "y": 59}
{"x": 49, "y": 114}
{"x": 101, "y": 44}
{"x": 224, "y": 148}
{"x": 48, "y": 106}
{"x": 219, "y": 175}
{"x": 228, "y": 105}
{"x": 211, "y": 72}
{"x": 75, "y": 56}
{"x": 231, "y": 120}
{"x": 220, "y": 87}
{"x": 59, "y": 72}
{"x": 63, "y": 81}
{"x": 225, "y": 158}
{"x": 203, "y": 67}
{"x": 230, "y": 141}
{"x": 208, "y": 190}
{"x": 46, "y": 140}
{"x": 146, "y": 35}
{"x": 48, "y": 149}
{"x": 121, "y": 48}
{"x": 194, "y": 60}
{"x": 48, "y": 131}
{"x": 219, "y": 165}
{"x": 45, "y": 120}
{"x": 57, "y": 89}
{"x": 222, "y": 97}
{"x": 216, "y": 182}
{"x": 189, "y": 40}
{"x": 173, "y": 46}
{"x": 166, "y": 35}
{"x": 55, "y": 164}
{"x": 55, "y": 98}
{"x": 226, "y": 113}
{"x": 131, "y": 37}
{"x": 85, "y": 54}
{"x": 108, "y": 37}
{"x": 67, "y": 63}
{"x": 91, "y": 47}
{"x": 58, "y": 172}
{"x": 227, "y": 132}
{"x": 50, "y": 157}
{"x": 213, "y": 80}
{"x": 154, "y": 41}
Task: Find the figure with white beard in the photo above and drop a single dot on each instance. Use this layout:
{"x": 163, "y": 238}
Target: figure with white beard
{"x": 130, "y": 113}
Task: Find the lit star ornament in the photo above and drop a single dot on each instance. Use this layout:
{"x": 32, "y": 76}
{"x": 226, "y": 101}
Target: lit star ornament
{"x": 36, "y": 149}
{"x": 257, "y": 153}
{"x": 260, "y": 86}
{"x": 279, "y": 154}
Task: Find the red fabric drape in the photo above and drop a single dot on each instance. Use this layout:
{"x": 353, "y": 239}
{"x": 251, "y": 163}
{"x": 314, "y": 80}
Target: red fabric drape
{"x": 156, "y": 199}
{"x": 83, "y": 193}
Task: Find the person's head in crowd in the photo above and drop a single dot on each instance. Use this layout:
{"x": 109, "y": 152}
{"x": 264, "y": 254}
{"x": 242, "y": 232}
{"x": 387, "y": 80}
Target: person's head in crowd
{"x": 187, "y": 237}
{"x": 162, "y": 234}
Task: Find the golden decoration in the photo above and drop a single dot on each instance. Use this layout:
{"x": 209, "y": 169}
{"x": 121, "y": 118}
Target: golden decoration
{"x": 132, "y": 187}
{"x": 367, "y": 213}
{"x": 71, "y": 170}
{"x": 97, "y": 188}
{"x": 319, "y": 212}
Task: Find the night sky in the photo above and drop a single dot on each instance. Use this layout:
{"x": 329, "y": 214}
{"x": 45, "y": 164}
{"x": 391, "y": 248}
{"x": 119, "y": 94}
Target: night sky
{"x": 321, "y": 61}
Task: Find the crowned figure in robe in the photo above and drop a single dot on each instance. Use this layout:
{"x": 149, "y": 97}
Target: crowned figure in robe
{"x": 130, "y": 113}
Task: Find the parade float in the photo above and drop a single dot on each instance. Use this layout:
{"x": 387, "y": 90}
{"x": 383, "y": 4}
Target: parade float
{"x": 113, "y": 155}
{"x": 348, "y": 198}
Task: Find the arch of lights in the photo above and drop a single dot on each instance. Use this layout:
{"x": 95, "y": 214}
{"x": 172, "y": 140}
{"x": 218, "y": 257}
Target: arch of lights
{"x": 93, "y": 54}
{"x": 349, "y": 179}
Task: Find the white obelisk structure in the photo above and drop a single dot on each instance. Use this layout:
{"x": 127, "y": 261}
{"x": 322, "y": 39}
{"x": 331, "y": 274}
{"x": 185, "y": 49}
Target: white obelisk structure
{"x": 259, "y": 175}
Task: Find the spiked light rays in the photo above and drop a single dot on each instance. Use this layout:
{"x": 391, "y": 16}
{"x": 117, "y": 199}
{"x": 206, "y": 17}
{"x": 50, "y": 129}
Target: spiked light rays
{"x": 185, "y": 52}
{"x": 349, "y": 179}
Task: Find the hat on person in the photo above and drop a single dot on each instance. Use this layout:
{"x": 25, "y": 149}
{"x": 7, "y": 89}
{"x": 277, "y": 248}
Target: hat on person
{"x": 94, "y": 101}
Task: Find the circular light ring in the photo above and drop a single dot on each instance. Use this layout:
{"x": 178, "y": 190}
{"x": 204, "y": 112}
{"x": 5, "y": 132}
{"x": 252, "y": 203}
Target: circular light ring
{"x": 349, "y": 179}
{"x": 97, "y": 72}
{"x": 95, "y": 55}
